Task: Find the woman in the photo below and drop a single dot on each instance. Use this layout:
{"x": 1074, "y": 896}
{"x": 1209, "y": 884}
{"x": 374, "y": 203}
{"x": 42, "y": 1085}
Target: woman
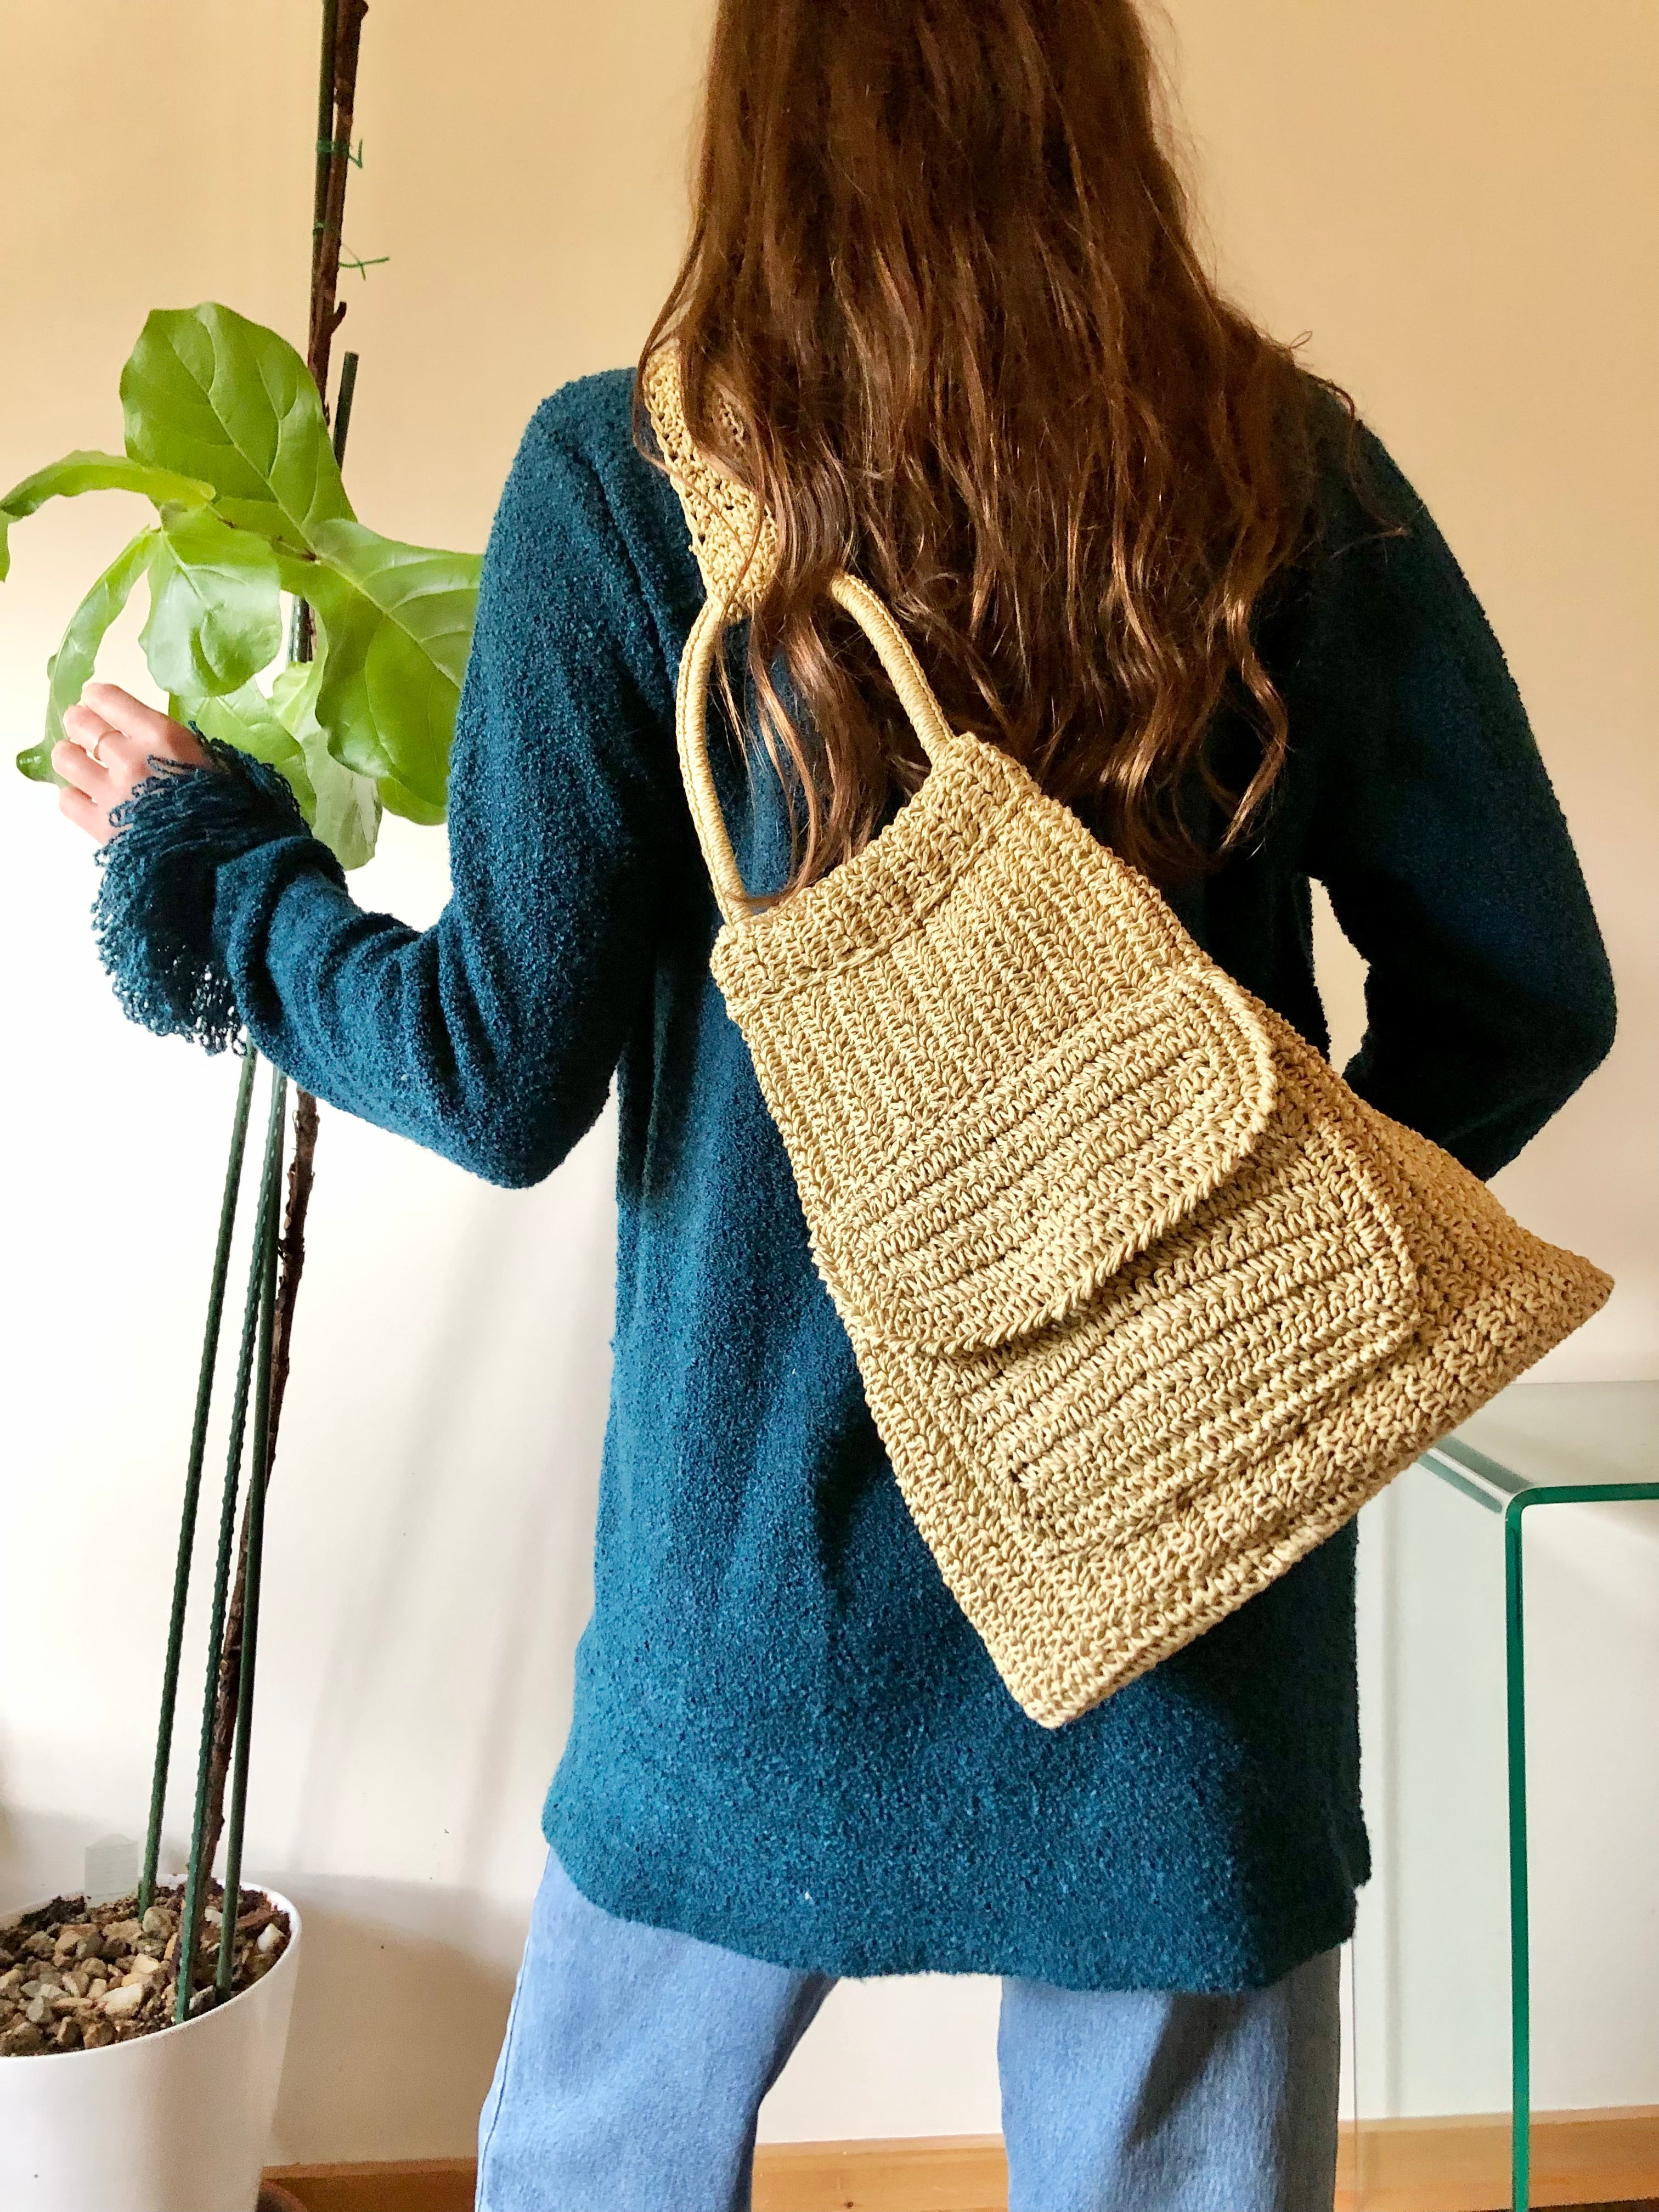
{"x": 941, "y": 312}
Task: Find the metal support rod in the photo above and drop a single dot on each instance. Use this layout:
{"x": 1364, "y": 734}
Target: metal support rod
{"x": 1534, "y": 1494}
{"x": 1519, "y": 1929}
{"x": 259, "y": 1476}
{"x": 264, "y": 1234}
{"x": 158, "y": 1787}
{"x": 342, "y": 400}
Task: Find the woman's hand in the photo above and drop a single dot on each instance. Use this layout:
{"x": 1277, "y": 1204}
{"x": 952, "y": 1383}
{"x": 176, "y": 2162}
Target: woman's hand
{"x": 111, "y": 740}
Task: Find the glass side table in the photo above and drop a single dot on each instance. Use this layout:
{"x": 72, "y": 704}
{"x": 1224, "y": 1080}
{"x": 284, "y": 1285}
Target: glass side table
{"x": 1567, "y": 1477}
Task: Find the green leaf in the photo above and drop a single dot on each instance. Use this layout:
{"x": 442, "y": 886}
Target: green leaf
{"x": 245, "y": 718}
{"x": 208, "y": 391}
{"x": 71, "y": 666}
{"x": 347, "y": 811}
{"x": 80, "y": 472}
{"x": 225, "y": 430}
{"x": 396, "y": 621}
{"x": 283, "y": 731}
{"x": 216, "y": 605}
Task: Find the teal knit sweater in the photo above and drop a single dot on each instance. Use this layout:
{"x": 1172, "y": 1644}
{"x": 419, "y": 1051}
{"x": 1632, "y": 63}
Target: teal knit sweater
{"x": 786, "y": 1738}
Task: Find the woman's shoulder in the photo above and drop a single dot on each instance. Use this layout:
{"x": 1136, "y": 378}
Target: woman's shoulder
{"x": 587, "y": 429}
{"x": 1379, "y": 638}
{"x": 1375, "y": 573}
{"x": 579, "y": 457}
{"x": 591, "y": 417}
{"x": 1360, "y": 493}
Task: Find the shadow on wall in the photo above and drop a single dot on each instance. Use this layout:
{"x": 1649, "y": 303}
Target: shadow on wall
{"x": 431, "y": 1567}
{"x": 428, "y": 1573}
{"x": 39, "y": 1851}
{"x": 396, "y": 2025}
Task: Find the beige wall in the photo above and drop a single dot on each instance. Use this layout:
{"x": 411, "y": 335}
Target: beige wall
{"x": 1461, "y": 203}
{"x": 1458, "y": 198}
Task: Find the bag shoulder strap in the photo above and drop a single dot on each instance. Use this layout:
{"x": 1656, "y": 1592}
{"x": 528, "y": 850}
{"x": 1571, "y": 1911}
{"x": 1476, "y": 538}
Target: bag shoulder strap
{"x": 736, "y": 544}
{"x": 736, "y": 548}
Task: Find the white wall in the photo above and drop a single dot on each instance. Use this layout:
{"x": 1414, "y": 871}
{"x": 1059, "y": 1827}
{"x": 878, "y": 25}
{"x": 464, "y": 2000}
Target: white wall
{"x": 1432, "y": 1950}
{"x": 1457, "y": 203}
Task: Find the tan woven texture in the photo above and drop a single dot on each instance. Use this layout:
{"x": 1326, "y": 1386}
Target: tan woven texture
{"x": 1146, "y": 1302}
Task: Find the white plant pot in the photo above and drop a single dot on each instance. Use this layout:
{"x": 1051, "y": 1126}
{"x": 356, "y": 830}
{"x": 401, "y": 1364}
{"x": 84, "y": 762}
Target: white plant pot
{"x": 174, "y": 2122}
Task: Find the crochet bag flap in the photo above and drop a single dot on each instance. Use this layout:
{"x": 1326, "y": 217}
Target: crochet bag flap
{"x": 1146, "y": 1301}
{"x": 1001, "y": 1070}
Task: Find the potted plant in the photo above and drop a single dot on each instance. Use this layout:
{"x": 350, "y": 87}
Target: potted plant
{"x": 142, "y": 2037}
{"x": 125, "y": 2121}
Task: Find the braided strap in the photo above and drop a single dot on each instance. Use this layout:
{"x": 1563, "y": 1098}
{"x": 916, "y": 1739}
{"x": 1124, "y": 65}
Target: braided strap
{"x": 736, "y": 548}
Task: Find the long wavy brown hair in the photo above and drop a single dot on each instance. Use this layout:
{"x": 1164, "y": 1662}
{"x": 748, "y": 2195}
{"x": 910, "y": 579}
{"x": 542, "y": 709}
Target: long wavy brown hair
{"x": 942, "y": 270}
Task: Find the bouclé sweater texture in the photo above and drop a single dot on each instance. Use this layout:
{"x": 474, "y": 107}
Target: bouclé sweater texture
{"x": 786, "y": 1739}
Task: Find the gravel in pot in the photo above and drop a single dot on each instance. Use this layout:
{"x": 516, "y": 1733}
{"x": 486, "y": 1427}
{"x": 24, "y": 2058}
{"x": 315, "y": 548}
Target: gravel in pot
{"x": 75, "y": 1975}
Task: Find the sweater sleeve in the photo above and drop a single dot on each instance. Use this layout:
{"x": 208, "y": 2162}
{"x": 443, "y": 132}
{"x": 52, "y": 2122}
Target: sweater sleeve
{"x": 492, "y": 1037}
{"x": 1438, "y": 835}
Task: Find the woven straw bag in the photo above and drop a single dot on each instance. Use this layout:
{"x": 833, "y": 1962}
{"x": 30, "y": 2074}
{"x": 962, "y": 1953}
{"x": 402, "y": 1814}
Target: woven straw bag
{"x": 1146, "y": 1301}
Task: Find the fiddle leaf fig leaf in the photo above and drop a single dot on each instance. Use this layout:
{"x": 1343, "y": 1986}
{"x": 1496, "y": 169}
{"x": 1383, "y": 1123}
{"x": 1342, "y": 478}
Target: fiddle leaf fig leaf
{"x": 348, "y": 806}
{"x": 215, "y": 607}
{"x": 81, "y": 472}
{"x": 396, "y": 621}
{"x": 248, "y": 720}
{"x": 225, "y": 432}
{"x": 207, "y": 391}
{"x": 71, "y": 666}
{"x": 283, "y": 731}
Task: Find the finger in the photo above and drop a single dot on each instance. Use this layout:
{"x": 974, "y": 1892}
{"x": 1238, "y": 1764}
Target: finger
{"x": 84, "y": 727}
{"x": 75, "y": 806}
{"x": 131, "y": 717}
{"x": 126, "y": 758}
{"x": 143, "y": 733}
{"x": 124, "y": 761}
{"x": 78, "y": 769}
{"x": 84, "y": 722}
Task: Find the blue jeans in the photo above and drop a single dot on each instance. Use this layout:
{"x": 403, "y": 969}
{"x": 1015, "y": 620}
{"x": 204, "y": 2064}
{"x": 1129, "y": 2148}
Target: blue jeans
{"x": 635, "y": 2061}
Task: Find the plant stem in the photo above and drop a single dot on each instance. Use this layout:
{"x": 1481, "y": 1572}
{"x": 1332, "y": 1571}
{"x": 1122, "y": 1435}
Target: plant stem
{"x": 227, "y": 1694}
{"x": 325, "y": 309}
{"x": 253, "y": 1531}
{"x": 324, "y": 138}
{"x": 299, "y": 1177}
{"x": 336, "y": 101}
{"x": 264, "y": 1228}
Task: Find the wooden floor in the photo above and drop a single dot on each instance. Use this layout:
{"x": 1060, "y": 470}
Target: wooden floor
{"x": 1605, "y": 2158}
{"x": 1597, "y": 2161}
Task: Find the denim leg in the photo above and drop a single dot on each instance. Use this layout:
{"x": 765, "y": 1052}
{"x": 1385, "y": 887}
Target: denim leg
{"x": 1152, "y": 2100}
{"x": 634, "y": 2063}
